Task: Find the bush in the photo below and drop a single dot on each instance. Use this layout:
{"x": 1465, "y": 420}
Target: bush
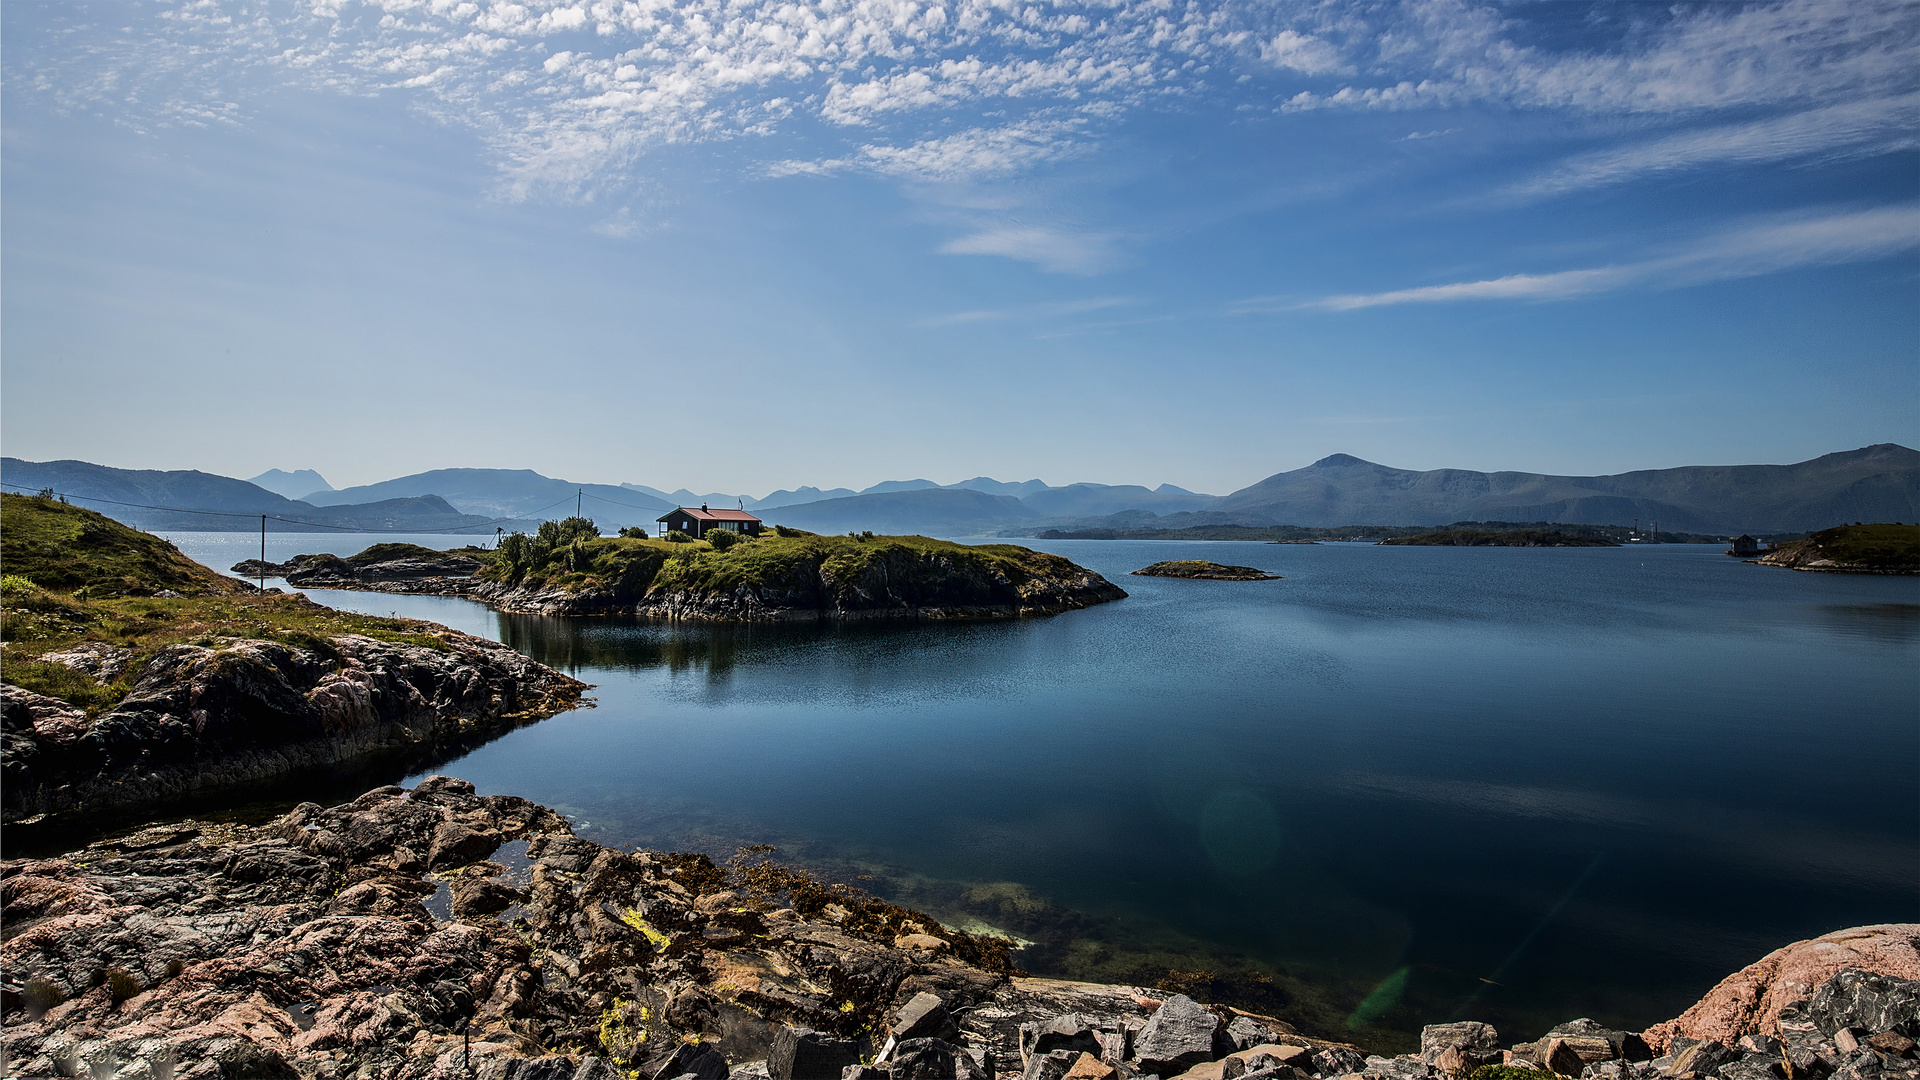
{"x": 634, "y": 532}
{"x": 1509, "y": 1072}
{"x": 11, "y": 584}
{"x": 782, "y": 530}
{"x": 675, "y": 536}
{"x": 722, "y": 539}
{"x": 41, "y": 994}
{"x": 121, "y": 984}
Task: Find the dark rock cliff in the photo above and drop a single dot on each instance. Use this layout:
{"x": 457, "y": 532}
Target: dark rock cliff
{"x": 205, "y": 717}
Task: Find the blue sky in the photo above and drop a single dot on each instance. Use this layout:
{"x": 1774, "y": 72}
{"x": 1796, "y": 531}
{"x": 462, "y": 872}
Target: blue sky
{"x": 755, "y": 244}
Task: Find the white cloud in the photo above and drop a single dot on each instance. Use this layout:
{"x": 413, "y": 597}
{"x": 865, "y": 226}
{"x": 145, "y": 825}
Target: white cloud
{"x": 1030, "y": 311}
{"x": 1045, "y": 246}
{"x": 1751, "y": 251}
{"x": 570, "y": 93}
{"x": 977, "y": 154}
{"x": 1303, "y": 53}
{"x": 1450, "y": 52}
{"x": 1879, "y": 126}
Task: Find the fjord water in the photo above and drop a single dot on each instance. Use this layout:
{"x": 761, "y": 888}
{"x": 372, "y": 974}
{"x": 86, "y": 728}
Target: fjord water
{"x": 1515, "y": 784}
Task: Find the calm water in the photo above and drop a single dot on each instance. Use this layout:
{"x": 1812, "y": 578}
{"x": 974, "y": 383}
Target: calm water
{"x": 1515, "y": 784}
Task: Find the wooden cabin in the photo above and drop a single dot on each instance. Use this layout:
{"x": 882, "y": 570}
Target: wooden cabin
{"x": 697, "y": 523}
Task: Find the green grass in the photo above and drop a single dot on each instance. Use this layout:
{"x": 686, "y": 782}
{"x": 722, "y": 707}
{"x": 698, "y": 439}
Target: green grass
{"x": 72, "y": 576}
{"x": 57, "y": 546}
{"x": 1870, "y": 545}
{"x": 631, "y": 567}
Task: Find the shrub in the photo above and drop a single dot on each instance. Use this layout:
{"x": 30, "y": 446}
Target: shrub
{"x": 634, "y": 532}
{"x": 1509, "y": 1072}
{"x": 12, "y": 584}
{"x": 722, "y": 539}
{"x": 782, "y": 530}
{"x": 121, "y": 984}
{"x": 675, "y": 536}
{"x": 41, "y": 994}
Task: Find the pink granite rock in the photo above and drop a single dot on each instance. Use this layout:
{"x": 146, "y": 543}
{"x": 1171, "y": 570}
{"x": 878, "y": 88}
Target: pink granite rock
{"x": 1749, "y": 1001}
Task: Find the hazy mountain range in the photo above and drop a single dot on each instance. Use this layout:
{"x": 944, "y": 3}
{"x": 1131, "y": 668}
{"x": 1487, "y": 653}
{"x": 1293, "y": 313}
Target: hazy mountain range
{"x": 1874, "y": 483}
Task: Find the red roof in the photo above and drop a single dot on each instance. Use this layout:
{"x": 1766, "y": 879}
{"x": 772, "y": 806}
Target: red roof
{"x": 701, "y": 513}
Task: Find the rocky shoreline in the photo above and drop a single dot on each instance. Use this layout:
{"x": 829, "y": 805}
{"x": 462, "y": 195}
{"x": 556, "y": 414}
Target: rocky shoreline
{"x": 1852, "y": 549}
{"x": 901, "y": 584}
{"x": 435, "y": 933}
{"x": 229, "y": 712}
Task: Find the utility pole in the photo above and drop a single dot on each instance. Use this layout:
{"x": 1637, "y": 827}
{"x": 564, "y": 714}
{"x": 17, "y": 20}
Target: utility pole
{"x": 263, "y": 554}
{"x": 577, "y": 493}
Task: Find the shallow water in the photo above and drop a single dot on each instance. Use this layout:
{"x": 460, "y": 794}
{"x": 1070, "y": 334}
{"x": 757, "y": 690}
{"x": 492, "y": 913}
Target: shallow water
{"x": 1515, "y": 784}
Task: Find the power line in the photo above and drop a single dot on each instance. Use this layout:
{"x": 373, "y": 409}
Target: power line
{"x": 630, "y": 506}
{"x": 270, "y": 517}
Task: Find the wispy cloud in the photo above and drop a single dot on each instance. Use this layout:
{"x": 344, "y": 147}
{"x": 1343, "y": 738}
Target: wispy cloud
{"x": 1452, "y": 52}
{"x": 1047, "y": 246}
{"x": 1880, "y": 126}
{"x": 1029, "y": 311}
{"x": 1756, "y": 249}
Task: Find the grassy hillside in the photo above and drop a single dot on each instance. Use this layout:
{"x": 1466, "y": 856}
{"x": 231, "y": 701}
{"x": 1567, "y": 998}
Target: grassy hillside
{"x": 1868, "y": 547}
{"x": 63, "y": 547}
{"x": 72, "y": 576}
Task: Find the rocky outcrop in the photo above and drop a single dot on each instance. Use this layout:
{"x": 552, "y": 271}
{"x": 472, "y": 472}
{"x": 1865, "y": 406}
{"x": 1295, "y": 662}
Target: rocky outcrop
{"x": 435, "y": 933}
{"x": 1750, "y": 1001}
{"x": 411, "y": 569}
{"x": 1852, "y": 549}
{"x": 1202, "y": 570}
{"x": 203, "y": 717}
{"x": 897, "y": 584}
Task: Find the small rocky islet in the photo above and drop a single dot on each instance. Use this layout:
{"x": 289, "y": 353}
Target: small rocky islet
{"x": 1202, "y": 570}
{"x": 437, "y": 933}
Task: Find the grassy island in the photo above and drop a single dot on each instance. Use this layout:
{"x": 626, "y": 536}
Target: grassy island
{"x": 568, "y": 568}
{"x": 1853, "y": 549}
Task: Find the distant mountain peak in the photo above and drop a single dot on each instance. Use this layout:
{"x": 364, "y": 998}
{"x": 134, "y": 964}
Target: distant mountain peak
{"x": 1332, "y": 460}
{"x": 293, "y": 485}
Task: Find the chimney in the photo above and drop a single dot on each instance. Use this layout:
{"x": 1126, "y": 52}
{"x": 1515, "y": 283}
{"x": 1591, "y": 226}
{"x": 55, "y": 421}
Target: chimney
{"x": 703, "y": 506}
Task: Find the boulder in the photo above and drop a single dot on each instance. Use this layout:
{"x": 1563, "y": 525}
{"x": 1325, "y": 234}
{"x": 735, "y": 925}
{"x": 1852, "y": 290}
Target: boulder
{"x": 1406, "y": 1068}
{"x": 1246, "y": 1032}
{"x": 1337, "y": 1061}
{"x": 1068, "y": 1031}
{"x": 1052, "y": 1065}
{"x": 806, "y": 1054}
{"x": 1464, "y": 1035}
{"x": 1089, "y": 1067}
{"x": 938, "y": 1059}
{"x": 1867, "y": 1002}
{"x": 687, "y": 1059}
{"x": 1751, "y": 999}
{"x": 925, "y": 1016}
{"x": 1181, "y": 1034}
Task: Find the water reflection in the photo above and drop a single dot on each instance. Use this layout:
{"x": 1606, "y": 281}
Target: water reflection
{"x": 1895, "y": 624}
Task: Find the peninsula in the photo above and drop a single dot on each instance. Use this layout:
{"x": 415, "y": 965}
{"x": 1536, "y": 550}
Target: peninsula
{"x": 134, "y": 676}
{"x": 1852, "y": 549}
{"x": 786, "y": 575}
